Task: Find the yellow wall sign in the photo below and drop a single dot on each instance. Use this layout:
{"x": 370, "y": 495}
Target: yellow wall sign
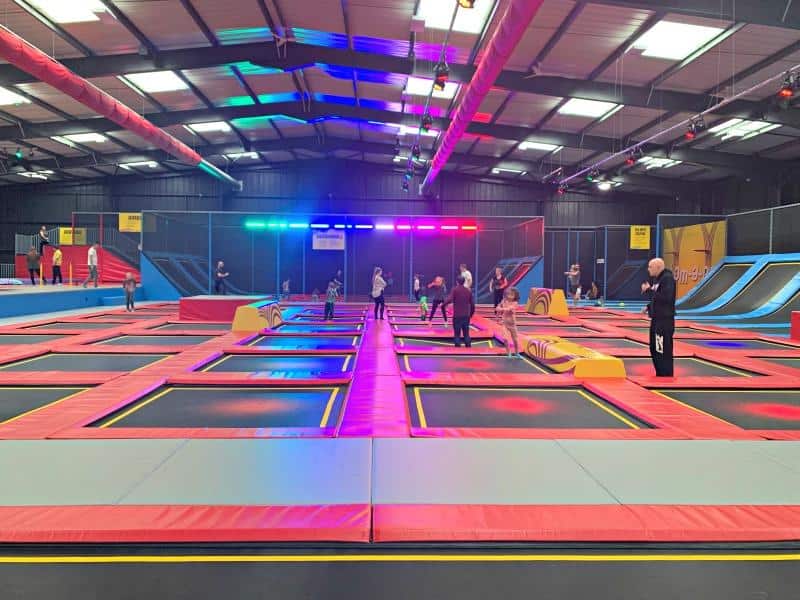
{"x": 130, "y": 222}
{"x": 67, "y": 236}
{"x": 640, "y": 237}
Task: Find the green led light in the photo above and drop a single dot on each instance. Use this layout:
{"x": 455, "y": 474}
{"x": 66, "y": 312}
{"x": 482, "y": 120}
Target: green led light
{"x": 254, "y": 225}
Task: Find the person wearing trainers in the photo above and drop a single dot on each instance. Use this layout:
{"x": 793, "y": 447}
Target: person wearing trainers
{"x": 463, "y": 309}
{"x": 91, "y": 261}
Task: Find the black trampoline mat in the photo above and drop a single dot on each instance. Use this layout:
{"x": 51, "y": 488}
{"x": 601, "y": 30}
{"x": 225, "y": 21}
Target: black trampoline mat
{"x": 712, "y": 288}
{"x": 188, "y": 326}
{"x": 786, "y": 362}
{"x": 414, "y": 342}
{"x": 596, "y": 343}
{"x": 734, "y": 344}
{"x": 156, "y": 340}
{"x": 678, "y": 330}
{"x": 76, "y": 325}
{"x": 290, "y": 366}
{"x": 748, "y": 409}
{"x": 71, "y": 363}
{"x": 131, "y": 316}
{"x": 468, "y": 363}
{"x": 307, "y": 342}
{"x": 218, "y": 407}
{"x": 684, "y": 367}
{"x": 14, "y": 339}
{"x": 518, "y": 408}
{"x": 16, "y": 401}
{"x": 560, "y": 331}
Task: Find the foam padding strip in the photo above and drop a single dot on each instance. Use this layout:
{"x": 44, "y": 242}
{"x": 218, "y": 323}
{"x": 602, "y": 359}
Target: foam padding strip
{"x": 523, "y": 433}
{"x": 510, "y": 380}
{"x": 585, "y": 523}
{"x": 248, "y": 379}
{"x": 176, "y": 524}
{"x": 262, "y": 351}
{"x": 153, "y": 433}
{"x": 544, "y": 301}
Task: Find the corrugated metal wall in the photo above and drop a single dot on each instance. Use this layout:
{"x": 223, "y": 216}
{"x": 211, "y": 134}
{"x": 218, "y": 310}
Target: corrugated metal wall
{"x": 319, "y": 186}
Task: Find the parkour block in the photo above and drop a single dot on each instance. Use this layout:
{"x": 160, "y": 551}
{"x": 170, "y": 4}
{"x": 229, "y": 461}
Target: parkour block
{"x": 544, "y": 301}
{"x": 252, "y": 318}
{"x": 795, "y": 331}
{"x": 567, "y": 357}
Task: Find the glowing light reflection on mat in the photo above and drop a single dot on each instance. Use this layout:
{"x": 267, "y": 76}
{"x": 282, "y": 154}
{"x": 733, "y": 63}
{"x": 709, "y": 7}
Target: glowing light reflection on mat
{"x": 521, "y": 405}
{"x": 771, "y": 410}
{"x": 251, "y": 407}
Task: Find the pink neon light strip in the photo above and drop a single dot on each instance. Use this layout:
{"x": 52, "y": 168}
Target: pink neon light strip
{"x": 426, "y": 227}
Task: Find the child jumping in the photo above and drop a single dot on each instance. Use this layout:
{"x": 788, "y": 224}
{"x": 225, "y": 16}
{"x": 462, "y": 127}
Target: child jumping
{"x": 129, "y": 285}
{"x": 330, "y": 299}
{"x": 508, "y": 313}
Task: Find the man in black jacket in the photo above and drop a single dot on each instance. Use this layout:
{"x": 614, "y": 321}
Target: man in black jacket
{"x": 661, "y": 311}
{"x": 463, "y": 309}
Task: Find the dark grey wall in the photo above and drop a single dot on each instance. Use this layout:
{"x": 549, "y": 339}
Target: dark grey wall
{"x": 326, "y": 186}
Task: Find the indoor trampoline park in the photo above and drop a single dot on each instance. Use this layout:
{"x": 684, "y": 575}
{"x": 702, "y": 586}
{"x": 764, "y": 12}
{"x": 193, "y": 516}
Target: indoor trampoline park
{"x": 390, "y": 299}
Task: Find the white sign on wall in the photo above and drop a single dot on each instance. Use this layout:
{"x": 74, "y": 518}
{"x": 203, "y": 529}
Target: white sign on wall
{"x": 328, "y": 240}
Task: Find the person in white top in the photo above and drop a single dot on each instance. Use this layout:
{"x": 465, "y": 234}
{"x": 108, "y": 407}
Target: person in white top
{"x": 91, "y": 261}
{"x": 417, "y": 286}
{"x": 378, "y": 285}
{"x": 466, "y": 275}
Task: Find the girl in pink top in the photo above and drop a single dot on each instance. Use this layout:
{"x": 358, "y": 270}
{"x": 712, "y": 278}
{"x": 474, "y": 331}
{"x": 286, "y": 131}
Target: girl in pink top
{"x": 508, "y": 315}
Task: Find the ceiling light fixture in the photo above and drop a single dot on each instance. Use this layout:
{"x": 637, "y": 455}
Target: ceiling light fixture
{"x": 151, "y": 164}
{"x": 604, "y": 186}
{"x": 156, "y": 81}
{"x": 578, "y": 107}
{"x": 742, "y": 128}
{"x": 210, "y": 127}
{"x": 8, "y": 98}
{"x": 437, "y": 14}
{"x": 675, "y": 41}
{"x": 540, "y": 146}
{"x": 427, "y": 122}
{"x": 67, "y": 11}
{"x": 440, "y": 76}
{"x": 466, "y": 3}
{"x": 420, "y": 86}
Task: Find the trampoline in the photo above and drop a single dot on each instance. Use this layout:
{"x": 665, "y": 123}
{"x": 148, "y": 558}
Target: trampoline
{"x": 14, "y": 339}
{"x": 468, "y": 363}
{"x": 189, "y": 326}
{"x": 436, "y": 325}
{"x": 712, "y": 288}
{"x": 734, "y": 344}
{"x": 516, "y": 408}
{"x": 76, "y": 325}
{"x": 294, "y": 366}
{"x": 421, "y": 342}
{"x": 317, "y": 328}
{"x": 156, "y": 340}
{"x": 748, "y": 409}
{"x": 595, "y": 343}
{"x": 79, "y": 363}
{"x": 794, "y": 363}
{"x": 228, "y": 407}
{"x": 18, "y": 401}
{"x": 684, "y": 367}
{"x": 678, "y": 330}
{"x": 131, "y": 316}
{"x": 562, "y": 331}
{"x": 307, "y": 342}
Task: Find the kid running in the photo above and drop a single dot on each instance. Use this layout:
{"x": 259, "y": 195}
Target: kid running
{"x": 330, "y": 299}
{"x": 129, "y": 285}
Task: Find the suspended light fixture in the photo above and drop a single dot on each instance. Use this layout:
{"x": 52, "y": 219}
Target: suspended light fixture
{"x": 466, "y": 3}
{"x": 787, "y": 89}
{"x": 427, "y": 122}
{"x": 441, "y": 75}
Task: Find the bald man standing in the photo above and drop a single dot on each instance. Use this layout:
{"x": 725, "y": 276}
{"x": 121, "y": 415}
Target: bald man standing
{"x": 661, "y": 310}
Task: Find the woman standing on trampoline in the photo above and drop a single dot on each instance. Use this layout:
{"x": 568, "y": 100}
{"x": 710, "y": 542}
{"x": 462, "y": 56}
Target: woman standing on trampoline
{"x": 498, "y": 285}
{"x": 378, "y": 285}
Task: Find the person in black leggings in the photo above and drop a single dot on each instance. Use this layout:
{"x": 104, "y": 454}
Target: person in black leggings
{"x": 498, "y": 285}
{"x": 436, "y": 293}
{"x": 378, "y": 285}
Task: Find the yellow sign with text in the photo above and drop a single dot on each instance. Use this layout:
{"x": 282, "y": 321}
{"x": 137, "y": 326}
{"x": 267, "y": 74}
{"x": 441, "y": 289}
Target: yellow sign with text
{"x": 67, "y": 236}
{"x": 130, "y": 222}
{"x": 640, "y": 237}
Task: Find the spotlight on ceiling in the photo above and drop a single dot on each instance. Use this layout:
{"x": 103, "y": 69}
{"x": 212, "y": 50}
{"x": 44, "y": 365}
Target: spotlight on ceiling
{"x": 18, "y": 154}
{"x": 415, "y": 151}
{"x": 604, "y": 186}
{"x": 427, "y": 122}
{"x": 441, "y": 75}
{"x": 405, "y": 185}
{"x": 466, "y": 3}
{"x": 592, "y": 175}
{"x": 691, "y": 133}
{"x": 408, "y": 175}
{"x": 787, "y": 90}
{"x": 562, "y": 189}
{"x": 630, "y": 159}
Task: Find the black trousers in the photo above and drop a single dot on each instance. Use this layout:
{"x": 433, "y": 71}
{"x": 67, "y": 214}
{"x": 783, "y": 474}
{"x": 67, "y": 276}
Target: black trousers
{"x": 416, "y": 295}
{"x": 42, "y": 244}
{"x": 328, "y": 311}
{"x": 380, "y": 301}
{"x": 437, "y": 304}
{"x": 33, "y": 273}
{"x": 129, "y": 299}
{"x": 219, "y": 287}
{"x": 498, "y": 297}
{"x": 461, "y": 331}
{"x": 661, "y": 333}
{"x": 57, "y": 274}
